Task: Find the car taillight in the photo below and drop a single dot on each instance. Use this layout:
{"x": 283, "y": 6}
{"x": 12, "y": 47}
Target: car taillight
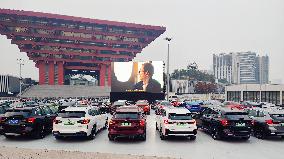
{"x": 85, "y": 121}
{"x": 270, "y": 122}
{"x": 31, "y": 120}
{"x": 56, "y": 121}
{"x": 225, "y": 122}
{"x": 166, "y": 121}
{"x": 142, "y": 123}
{"x": 2, "y": 119}
{"x": 193, "y": 121}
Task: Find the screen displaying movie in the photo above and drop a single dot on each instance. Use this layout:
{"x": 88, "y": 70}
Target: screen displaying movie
{"x": 137, "y": 77}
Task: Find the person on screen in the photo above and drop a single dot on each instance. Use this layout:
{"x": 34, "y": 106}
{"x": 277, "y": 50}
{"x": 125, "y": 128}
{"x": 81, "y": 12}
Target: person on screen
{"x": 146, "y": 83}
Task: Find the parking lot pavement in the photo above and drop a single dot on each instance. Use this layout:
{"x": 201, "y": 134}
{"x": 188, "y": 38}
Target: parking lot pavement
{"x": 204, "y": 147}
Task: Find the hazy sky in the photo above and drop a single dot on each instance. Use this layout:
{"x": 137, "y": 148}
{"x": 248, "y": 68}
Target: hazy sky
{"x": 199, "y": 28}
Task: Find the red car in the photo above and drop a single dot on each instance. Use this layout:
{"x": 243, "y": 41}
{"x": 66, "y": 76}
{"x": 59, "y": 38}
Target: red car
{"x": 144, "y": 105}
{"x": 127, "y": 121}
{"x": 231, "y": 104}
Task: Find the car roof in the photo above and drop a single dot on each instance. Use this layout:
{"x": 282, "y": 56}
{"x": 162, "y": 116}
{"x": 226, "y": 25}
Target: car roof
{"x": 131, "y": 108}
{"x": 177, "y": 110}
{"x": 227, "y": 109}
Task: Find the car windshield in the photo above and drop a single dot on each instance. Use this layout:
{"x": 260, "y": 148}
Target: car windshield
{"x": 71, "y": 114}
{"x": 236, "y": 115}
{"x": 126, "y": 115}
{"x": 18, "y": 112}
{"x": 174, "y": 116}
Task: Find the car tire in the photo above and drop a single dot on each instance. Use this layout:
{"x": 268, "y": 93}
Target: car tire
{"x": 157, "y": 126}
{"x": 9, "y": 136}
{"x": 245, "y": 138}
{"x": 40, "y": 132}
{"x": 93, "y": 133}
{"x": 111, "y": 137}
{"x": 192, "y": 137}
{"x": 215, "y": 134}
{"x": 106, "y": 124}
{"x": 162, "y": 136}
{"x": 143, "y": 136}
{"x": 260, "y": 135}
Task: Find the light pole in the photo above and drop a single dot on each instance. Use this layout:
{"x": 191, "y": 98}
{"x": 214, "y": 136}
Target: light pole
{"x": 20, "y": 62}
{"x": 168, "y": 66}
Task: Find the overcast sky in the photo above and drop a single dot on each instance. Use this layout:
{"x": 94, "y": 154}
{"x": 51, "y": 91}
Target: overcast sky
{"x": 199, "y": 28}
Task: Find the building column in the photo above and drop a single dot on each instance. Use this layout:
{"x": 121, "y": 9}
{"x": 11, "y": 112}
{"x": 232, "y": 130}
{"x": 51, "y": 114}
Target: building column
{"x": 51, "y": 73}
{"x": 41, "y": 70}
{"x": 242, "y": 95}
{"x": 102, "y": 74}
{"x": 109, "y": 75}
{"x": 60, "y": 73}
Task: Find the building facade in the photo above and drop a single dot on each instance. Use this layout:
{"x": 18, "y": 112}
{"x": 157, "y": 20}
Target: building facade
{"x": 241, "y": 68}
{"x": 59, "y": 44}
{"x": 255, "y": 92}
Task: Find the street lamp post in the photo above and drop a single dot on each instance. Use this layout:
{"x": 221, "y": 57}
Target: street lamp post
{"x": 168, "y": 66}
{"x": 20, "y": 62}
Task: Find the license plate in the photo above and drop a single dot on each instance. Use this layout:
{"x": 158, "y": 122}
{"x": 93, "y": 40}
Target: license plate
{"x": 69, "y": 123}
{"x": 125, "y": 124}
{"x": 240, "y": 124}
{"x": 13, "y": 121}
{"x": 180, "y": 124}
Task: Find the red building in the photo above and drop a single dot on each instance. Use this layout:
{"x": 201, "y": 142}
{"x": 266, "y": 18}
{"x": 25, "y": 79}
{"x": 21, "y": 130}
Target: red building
{"x": 60, "y": 44}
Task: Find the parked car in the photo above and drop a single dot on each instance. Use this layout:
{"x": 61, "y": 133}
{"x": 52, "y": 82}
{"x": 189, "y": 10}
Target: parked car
{"x": 267, "y": 122}
{"x": 231, "y": 104}
{"x": 176, "y": 122}
{"x": 222, "y": 122}
{"x": 32, "y": 121}
{"x": 144, "y": 105}
{"x": 127, "y": 121}
{"x": 79, "y": 121}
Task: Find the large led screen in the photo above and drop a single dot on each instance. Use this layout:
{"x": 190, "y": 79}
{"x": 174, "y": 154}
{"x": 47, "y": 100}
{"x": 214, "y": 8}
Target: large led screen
{"x": 137, "y": 76}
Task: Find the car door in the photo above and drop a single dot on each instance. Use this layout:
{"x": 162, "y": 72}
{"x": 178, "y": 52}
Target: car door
{"x": 205, "y": 118}
{"x": 48, "y": 117}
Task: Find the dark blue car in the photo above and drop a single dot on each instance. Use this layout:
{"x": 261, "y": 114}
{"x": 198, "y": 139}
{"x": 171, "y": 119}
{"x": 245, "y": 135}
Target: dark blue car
{"x": 193, "y": 107}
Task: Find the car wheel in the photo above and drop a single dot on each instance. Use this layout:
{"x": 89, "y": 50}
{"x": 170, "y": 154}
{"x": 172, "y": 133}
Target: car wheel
{"x": 9, "y": 136}
{"x": 93, "y": 133}
{"x": 106, "y": 124}
{"x": 192, "y": 137}
{"x": 215, "y": 134}
{"x": 162, "y": 136}
{"x": 143, "y": 137}
{"x": 259, "y": 134}
{"x": 245, "y": 138}
{"x": 111, "y": 137}
{"x": 40, "y": 132}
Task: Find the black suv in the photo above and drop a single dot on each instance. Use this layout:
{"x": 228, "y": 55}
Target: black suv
{"x": 33, "y": 121}
{"x": 223, "y": 122}
{"x": 267, "y": 122}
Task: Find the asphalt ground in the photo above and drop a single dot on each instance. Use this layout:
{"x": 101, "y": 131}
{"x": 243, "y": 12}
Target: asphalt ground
{"x": 204, "y": 147}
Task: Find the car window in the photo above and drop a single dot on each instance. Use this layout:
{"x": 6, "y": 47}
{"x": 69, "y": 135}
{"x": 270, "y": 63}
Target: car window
{"x": 126, "y": 115}
{"x": 277, "y": 116}
{"x": 71, "y": 114}
{"x": 174, "y": 116}
{"x": 37, "y": 111}
{"x": 206, "y": 111}
{"x": 17, "y": 112}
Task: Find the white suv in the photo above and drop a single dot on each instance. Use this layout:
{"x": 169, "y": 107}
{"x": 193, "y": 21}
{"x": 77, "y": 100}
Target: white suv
{"x": 171, "y": 121}
{"x": 79, "y": 121}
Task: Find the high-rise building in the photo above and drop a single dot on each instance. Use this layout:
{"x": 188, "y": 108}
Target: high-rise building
{"x": 262, "y": 68}
{"x": 241, "y": 68}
